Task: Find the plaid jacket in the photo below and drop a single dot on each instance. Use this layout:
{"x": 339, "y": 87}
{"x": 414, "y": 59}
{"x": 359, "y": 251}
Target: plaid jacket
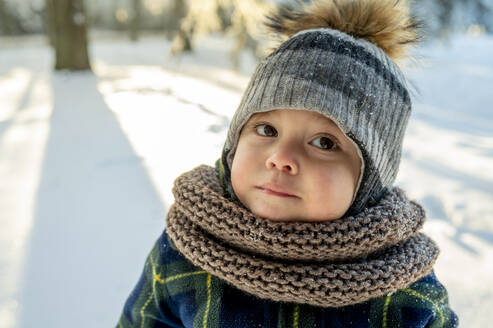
{"x": 172, "y": 292}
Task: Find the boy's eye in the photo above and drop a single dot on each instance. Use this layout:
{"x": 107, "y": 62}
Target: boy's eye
{"x": 266, "y": 130}
{"x": 324, "y": 143}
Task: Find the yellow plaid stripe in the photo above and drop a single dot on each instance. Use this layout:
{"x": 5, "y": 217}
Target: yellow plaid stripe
{"x": 157, "y": 278}
{"x": 385, "y": 309}
{"x": 206, "y": 314}
{"x": 296, "y": 315}
{"x": 423, "y": 297}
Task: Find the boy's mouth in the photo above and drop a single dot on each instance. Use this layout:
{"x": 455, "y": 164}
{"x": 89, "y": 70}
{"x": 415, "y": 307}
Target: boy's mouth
{"x": 276, "y": 190}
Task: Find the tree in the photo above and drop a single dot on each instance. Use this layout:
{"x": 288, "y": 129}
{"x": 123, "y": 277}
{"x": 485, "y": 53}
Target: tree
{"x": 10, "y": 22}
{"x": 67, "y": 25}
{"x": 238, "y": 18}
{"x": 135, "y": 20}
{"x": 177, "y": 10}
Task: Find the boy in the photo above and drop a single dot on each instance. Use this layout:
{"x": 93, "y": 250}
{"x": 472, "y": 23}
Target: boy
{"x": 299, "y": 224}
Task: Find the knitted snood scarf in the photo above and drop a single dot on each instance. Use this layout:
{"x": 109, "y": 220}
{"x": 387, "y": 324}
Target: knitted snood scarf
{"x": 329, "y": 264}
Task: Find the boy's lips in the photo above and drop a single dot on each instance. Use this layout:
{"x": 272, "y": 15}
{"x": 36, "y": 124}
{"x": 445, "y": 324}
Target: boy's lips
{"x": 275, "y": 189}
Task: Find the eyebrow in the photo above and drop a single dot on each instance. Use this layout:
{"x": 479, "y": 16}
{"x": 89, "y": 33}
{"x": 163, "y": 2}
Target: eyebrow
{"x": 320, "y": 125}
{"x": 262, "y": 114}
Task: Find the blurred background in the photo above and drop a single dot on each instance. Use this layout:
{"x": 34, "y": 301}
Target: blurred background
{"x": 104, "y": 103}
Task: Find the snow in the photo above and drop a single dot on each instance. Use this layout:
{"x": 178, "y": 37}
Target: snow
{"x": 87, "y": 163}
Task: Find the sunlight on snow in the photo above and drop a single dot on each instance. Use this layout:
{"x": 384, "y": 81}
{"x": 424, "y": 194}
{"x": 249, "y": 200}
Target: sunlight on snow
{"x": 13, "y": 85}
{"x": 22, "y": 146}
{"x": 179, "y": 144}
{"x": 461, "y": 151}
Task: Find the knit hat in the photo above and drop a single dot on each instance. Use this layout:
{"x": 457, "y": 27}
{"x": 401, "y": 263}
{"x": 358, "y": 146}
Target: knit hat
{"x": 338, "y": 60}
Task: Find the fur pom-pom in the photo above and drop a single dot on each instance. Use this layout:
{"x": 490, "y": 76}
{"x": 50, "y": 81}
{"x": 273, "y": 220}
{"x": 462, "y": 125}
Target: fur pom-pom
{"x": 386, "y": 23}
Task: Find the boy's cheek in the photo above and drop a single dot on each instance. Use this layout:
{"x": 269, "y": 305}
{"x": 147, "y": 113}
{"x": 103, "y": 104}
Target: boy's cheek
{"x": 334, "y": 183}
{"x": 247, "y": 155}
{"x": 239, "y": 173}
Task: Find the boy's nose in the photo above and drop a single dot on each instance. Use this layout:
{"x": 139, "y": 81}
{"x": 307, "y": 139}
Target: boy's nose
{"x": 283, "y": 162}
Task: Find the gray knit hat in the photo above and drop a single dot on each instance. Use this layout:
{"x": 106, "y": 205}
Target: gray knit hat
{"x": 344, "y": 77}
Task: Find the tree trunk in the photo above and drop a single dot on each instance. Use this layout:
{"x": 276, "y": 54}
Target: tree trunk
{"x": 183, "y": 41}
{"x": 483, "y": 15}
{"x": 49, "y": 22}
{"x": 445, "y": 17}
{"x": 135, "y": 20}
{"x": 68, "y": 27}
{"x": 4, "y": 19}
{"x": 178, "y": 10}
{"x": 10, "y": 22}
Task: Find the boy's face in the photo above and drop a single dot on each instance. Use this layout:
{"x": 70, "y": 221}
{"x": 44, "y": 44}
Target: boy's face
{"x": 295, "y": 165}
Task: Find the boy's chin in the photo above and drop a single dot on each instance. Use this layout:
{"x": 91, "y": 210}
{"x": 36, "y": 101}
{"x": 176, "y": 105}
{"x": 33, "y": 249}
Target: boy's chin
{"x": 282, "y": 215}
{"x": 279, "y": 216}
{"x": 272, "y": 215}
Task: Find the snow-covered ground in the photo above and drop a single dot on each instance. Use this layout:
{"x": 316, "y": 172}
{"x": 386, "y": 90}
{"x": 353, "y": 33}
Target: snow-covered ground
{"x": 87, "y": 162}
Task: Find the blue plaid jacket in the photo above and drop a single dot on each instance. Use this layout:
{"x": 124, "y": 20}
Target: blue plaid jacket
{"x": 172, "y": 292}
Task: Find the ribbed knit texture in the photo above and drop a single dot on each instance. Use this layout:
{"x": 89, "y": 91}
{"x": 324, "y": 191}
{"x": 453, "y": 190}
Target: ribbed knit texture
{"x": 352, "y": 82}
{"x": 335, "y": 263}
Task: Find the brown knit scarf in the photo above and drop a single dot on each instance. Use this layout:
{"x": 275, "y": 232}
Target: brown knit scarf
{"x": 335, "y": 263}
